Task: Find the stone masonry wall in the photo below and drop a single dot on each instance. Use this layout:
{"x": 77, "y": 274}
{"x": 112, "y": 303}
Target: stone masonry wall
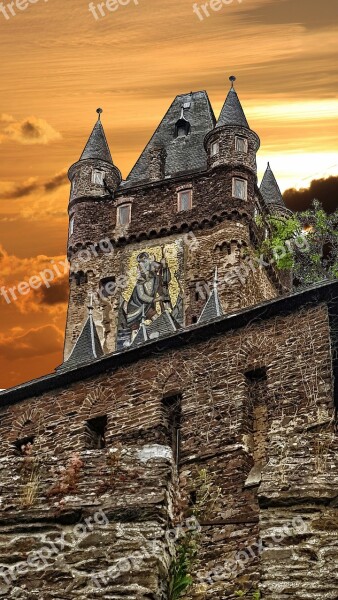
{"x": 133, "y": 478}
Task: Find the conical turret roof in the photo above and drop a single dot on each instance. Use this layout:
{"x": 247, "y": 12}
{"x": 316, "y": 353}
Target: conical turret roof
{"x": 213, "y": 307}
{"x": 87, "y": 347}
{"x": 270, "y": 189}
{"x": 97, "y": 145}
{"x": 232, "y": 112}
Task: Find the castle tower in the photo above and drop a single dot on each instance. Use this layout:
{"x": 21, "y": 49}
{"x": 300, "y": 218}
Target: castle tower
{"x": 94, "y": 181}
{"x": 186, "y": 209}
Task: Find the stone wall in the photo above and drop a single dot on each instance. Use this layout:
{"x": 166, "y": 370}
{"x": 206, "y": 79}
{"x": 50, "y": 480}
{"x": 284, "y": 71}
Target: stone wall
{"x": 262, "y": 473}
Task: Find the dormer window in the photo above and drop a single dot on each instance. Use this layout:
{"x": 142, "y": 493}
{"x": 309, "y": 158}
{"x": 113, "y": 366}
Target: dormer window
{"x": 184, "y": 201}
{"x": 182, "y": 128}
{"x": 71, "y": 225}
{"x": 214, "y": 148}
{"x": 239, "y": 188}
{"x": 241, "y": 144}
{"x": 123, "y": 215}
{"x": 98, "y": 177}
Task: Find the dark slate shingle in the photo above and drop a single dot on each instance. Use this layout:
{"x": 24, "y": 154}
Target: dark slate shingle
{"x": 97, "y": 145}
{"x": 87, "y": 348}
{"x": 183, "y": 154}
{"x": 212, "y": 308}
{"x": 270, "y": 189}
{"x": 232, "y": 112}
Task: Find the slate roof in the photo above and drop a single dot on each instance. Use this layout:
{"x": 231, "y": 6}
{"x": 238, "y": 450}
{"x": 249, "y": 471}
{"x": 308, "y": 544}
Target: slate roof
{"x": 232, "y": 112}
{"x": 141, "y": 336}
{"x": 270, "y": 189}
{"x": 164, "y": 325}
{"x": 97, "y": 145}
{"x": 213, "y": 307}
{"x": 184, "y": 154}
{"x": 87, "y": 348}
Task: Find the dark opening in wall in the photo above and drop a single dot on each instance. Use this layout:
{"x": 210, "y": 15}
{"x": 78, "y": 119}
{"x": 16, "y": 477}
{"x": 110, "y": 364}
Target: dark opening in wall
{"x": 172, "y": 414}
{"x": 107, "y": 286}
{"x": 194, "y": 319}
{"x": 257, "y": 413}
{"x": 182, "y": 128}
{"x": 23, "y": 447}
{"x": 256, "y": 375}
{"x": 192, "y": 498}
{"x": 95, "y": 433}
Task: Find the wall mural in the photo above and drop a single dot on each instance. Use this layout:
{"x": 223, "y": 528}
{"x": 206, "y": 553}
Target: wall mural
{"x": 155, "y": 286}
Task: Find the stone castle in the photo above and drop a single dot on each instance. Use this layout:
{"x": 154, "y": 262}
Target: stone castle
{"x": 196, "y": 387}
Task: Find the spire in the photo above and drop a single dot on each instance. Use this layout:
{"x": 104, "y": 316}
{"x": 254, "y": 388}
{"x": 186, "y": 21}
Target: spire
{"x": 232, "y": 112}
{"x": 270, "y": 189}
{"x": 213, "y": 307}
{"x": 87, "y": 347}
{"x": 97, "y": 146}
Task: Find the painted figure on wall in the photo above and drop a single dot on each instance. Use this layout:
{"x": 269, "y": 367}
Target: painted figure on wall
{"x": 151, "y": 287}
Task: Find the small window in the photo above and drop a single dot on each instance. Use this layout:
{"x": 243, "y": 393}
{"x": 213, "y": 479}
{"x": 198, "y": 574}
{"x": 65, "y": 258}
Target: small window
{"x": 214, "y": 148}
{"x": 98, "y": 177}
{"x": 182, "y": 128}
{"x": 239, "y": 188}
{"x": 95, "y": 433}
{"x": 24, "y": 446}
{"x": 172, "y": 408}
{"x": 184, "y": 200}
{"x": 194, "y": 320}
{"x": 124, "y": 214}
{"x": 107, "y": 286}
{"x": 241, "y": 144}
{"x": 71, "y": 226}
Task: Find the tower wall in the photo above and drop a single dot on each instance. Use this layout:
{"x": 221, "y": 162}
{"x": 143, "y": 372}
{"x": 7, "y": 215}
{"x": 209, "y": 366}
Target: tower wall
{"x": 216, "y": 232}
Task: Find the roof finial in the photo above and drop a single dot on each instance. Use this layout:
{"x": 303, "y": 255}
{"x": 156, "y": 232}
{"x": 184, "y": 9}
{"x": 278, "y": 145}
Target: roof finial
{"x": 90, "y": 305}
{"x": 232, "y": 78}
{"x": 99, "y": 112}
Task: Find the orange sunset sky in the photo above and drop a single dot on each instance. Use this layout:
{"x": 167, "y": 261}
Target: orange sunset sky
{"x": 58, "y": 64}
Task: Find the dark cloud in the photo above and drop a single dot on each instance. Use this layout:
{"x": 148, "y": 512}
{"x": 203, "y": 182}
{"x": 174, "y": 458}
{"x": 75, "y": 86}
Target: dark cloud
{"x": 304, "y": 12}
{"x": 30, "y": 131}
{"x": 36, "y": 342}
{"x": 20, "y": 190}
{"x": 324, "y": 190}
{"x": 57, "y": 181}
{"x": 56, "y": 294}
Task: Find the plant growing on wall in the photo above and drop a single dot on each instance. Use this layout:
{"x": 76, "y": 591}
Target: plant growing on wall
{"x": 69, "y": 477}
{"x": 306, "y": 243}
{"x": 188, "y": 545}
{"x": 31, "y": 468}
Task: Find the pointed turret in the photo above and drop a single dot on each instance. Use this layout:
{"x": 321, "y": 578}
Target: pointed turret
{"x": 232, "y": 112}
{"x": 94, "y": 175}
{"x": 213, "y": 307}
{"x": 270, "y": 191}
{"x": 87, "y": 347}
{"x": 232, "y": 142}
{"x": 97, "y": 145}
